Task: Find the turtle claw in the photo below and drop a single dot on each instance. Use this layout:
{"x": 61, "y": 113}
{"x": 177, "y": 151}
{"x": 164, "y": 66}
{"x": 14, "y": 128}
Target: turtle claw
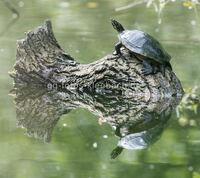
{"x": 114, "y": 53}
{"x": 147, "y": 71}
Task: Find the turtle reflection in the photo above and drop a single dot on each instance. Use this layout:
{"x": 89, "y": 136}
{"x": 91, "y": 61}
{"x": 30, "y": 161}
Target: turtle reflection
{"x": 139, "y": 121}
{"x": 141, "y": 135}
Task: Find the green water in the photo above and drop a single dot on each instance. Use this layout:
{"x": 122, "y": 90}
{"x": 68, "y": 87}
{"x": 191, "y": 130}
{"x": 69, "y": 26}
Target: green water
{"x": 78, "y": 147}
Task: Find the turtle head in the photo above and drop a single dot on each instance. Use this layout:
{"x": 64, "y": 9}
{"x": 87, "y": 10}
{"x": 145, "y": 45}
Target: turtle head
{"x": 117, "y": 26}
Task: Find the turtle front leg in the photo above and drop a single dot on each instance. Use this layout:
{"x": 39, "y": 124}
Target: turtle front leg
{"x": 147, "y": 68}
{"x": 162, "y": 69}
{"x": 117, "y": 49}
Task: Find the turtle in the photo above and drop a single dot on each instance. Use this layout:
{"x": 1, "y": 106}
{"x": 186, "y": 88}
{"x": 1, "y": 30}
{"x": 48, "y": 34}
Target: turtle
{"x": 144, "y": 47}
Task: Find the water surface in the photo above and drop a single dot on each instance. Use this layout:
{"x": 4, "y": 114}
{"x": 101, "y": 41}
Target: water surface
{"x": 79, "y": 146}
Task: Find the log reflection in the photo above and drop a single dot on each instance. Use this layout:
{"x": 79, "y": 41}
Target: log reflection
{"x": 137, "y": 122}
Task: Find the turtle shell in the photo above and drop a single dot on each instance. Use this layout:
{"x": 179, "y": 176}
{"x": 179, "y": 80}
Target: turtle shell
{"x": 144, "y": 44}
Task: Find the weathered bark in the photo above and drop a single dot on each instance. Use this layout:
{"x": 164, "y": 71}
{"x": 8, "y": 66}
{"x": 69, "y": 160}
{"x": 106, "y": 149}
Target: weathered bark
{"x": 42, "y": 62}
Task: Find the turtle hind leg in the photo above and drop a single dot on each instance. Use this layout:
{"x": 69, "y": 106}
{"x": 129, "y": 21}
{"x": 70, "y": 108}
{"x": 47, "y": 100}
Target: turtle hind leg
{"x": 162, "y": 69}
{"x": 117, "y": 49}
{"x": 147, "y": 68}
{"x": 169, "y": 65}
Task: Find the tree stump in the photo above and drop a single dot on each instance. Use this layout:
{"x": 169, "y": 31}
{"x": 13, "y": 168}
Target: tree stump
{"x": 40, "y": 61}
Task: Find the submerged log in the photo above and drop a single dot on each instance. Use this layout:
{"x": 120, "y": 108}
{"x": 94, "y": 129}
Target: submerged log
{"x": 40, "y": 61}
